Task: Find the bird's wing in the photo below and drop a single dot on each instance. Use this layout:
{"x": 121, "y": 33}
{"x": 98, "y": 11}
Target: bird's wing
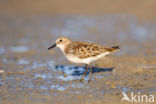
{"x": 85, "y": 49}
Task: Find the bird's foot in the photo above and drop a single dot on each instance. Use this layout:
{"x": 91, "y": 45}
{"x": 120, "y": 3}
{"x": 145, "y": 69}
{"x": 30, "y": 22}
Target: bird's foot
{"x": 82, "y": 80}
{"x": 89, "y": 80}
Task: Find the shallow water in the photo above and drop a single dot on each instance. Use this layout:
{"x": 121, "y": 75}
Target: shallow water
{"x": 19, "y": 49}
{"x": 30, "y": 69}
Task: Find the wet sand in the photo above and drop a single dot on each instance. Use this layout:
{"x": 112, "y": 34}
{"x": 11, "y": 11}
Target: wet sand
{"x": 30, "y": 74}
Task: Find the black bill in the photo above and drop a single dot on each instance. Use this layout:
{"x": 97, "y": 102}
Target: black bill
{"x": 52, "y": 46}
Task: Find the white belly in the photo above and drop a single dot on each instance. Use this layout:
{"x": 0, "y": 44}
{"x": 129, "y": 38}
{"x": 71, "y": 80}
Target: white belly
{"x": 75, "y": 59}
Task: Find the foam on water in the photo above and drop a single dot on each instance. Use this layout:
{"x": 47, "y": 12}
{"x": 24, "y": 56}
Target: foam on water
{"x": 2, "y": 50}
{"x": 36, "y": 64}
{"x": 61, "y": 88}
{"x": 54, "y": 86}
{"x": 23, "y": 62}
{"x": 58, "y": 87}
{"x": 7, "y": 61}
{"x": 71, "y": 72}
{"x": 43, "y": 87}
{"x": 44, "y": 76}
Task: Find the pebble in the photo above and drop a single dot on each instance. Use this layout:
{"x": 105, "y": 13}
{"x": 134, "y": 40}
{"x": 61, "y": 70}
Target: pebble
{"x": 65, "y": 75}
{"x": 1, "y": 71}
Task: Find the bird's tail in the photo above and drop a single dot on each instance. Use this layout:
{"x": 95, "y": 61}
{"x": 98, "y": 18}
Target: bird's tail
{"x": 113, "y": 49}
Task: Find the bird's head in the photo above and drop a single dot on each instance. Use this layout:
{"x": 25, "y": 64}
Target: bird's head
{"x": 61, "y": 42}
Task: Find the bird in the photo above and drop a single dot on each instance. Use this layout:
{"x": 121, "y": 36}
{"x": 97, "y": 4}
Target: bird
{"x": 82, "y": 52}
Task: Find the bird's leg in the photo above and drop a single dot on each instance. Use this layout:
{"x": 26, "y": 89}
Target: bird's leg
{"x": 82, "y": 78}
{"x": 90, "y": 74}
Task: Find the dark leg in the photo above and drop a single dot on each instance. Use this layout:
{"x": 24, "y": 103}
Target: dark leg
{"x": 90, "y": 74}
{"x": 82, "y": 78}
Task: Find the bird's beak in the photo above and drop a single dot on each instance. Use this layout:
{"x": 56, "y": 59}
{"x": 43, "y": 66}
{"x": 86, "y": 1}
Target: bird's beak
{"x": 54, "y": 45}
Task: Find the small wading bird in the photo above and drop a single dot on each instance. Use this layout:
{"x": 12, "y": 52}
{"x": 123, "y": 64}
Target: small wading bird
{"x": 82, "y": 52}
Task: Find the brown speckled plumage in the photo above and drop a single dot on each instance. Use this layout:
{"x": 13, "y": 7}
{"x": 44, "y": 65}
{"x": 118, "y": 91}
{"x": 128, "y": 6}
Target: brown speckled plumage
{"x": 87, "y": 49}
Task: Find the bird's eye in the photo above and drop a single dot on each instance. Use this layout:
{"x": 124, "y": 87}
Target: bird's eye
{"x": 60, "y": 40}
